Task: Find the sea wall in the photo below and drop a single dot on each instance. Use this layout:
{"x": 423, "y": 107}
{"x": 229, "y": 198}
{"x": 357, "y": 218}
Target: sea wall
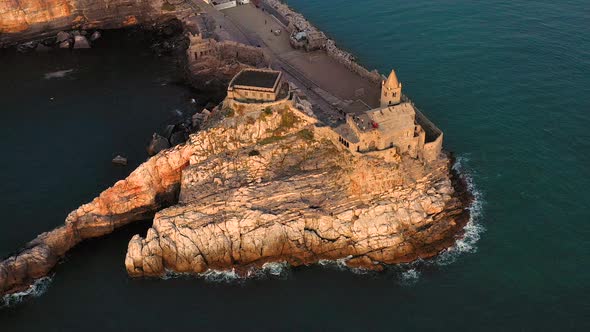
{"x": 297, "y": 22}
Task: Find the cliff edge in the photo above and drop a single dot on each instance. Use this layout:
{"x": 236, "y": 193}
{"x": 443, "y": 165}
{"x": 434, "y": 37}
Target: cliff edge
{"x": 24, "y": 20}
{"x": 269, "y": 185}
{"x": 281, "y": 190}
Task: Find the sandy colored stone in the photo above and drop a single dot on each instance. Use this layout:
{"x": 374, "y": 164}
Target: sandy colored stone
{"x": 300, "y": 201}
{"x": 25, "y": 19}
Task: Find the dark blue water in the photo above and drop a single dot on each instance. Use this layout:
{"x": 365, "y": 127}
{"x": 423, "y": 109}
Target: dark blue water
{"x": 508, "y": 82}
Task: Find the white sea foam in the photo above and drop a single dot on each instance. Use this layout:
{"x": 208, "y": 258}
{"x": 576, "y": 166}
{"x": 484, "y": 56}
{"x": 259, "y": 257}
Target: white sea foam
{"x": 36, "y": 289}
{"x": 276, "y": 269}
{"x": 340, "y": 264}
{"x": 268, "y": 270}
{"x": 58, "y": 74}
{"x": 473, "y": 228}
{"x": 409, "y": 277}
{"x": 220, "y": 275}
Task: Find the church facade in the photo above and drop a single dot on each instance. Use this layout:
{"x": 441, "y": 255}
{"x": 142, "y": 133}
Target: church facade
{"x": 396, "y": 125}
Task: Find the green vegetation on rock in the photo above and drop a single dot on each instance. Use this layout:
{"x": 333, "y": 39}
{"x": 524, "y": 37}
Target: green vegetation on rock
{"x": 168, "y": 7}
{"x": 305, "y": 134}
{"x": 271, "y": 139}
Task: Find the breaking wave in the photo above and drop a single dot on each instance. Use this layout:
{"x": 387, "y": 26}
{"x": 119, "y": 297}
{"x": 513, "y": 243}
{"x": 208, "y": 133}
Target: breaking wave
{"x": 58, "y": 74}
{"x": 36, "y": 289}
{"x": 409, "y": 274}
{"x": 340, "y": 264}
{"x": 273, "y": 270}
{"x": 473, "y": 228}
{"x": 409, "y": 277}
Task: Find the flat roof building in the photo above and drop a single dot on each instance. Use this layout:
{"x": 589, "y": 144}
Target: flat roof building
{"x": 257, "y": 85}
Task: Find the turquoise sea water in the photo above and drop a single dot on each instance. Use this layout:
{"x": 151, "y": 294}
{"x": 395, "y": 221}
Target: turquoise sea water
{"x": 508, "y": 82}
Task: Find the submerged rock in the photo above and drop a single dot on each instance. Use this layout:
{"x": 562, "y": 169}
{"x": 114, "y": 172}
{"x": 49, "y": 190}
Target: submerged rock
{"x": 178, "y": 137}
{"x": 95, "y": 35}
{"x": 27, "y": 47}
{"x": 157, "y": 144}
{"x": 81, "y": 42}
{"x": 65, "y": 44}
{"x": 62, "y": 36}
{"x": 120, "y": 160}
{"x": 42, "y": 48}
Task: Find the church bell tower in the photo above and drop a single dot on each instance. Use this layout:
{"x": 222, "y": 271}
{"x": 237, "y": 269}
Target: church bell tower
{"x": 391, "y": 90}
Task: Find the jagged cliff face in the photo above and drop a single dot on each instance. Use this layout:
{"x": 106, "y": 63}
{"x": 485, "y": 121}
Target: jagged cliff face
{"x": 257, "y": 188}
{"x": 25, "y": 19}
{"x": 299, "y": 198}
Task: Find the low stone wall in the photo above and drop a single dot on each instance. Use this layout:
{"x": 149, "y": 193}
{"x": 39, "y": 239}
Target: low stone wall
{"x": 243, "y": 53}
{"x": 431, "y": 130}
{"x": 433, "y": 137}
{"x": 225, "y": 5}
{"x": 348, "y": 60}
{"x": 433, "y": 149}
{"x": 251, "y": 107}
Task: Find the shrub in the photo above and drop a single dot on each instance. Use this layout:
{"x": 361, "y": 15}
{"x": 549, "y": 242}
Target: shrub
{"x": 265, "y": 113}
{"x": 230, "y": 112}
{"x": 288, "y": 120}
{"x": 306, "y": 134}
{"x": 254, "y": 153}
{"x": 166, "y": 6}
{"x": 271, "y": 139}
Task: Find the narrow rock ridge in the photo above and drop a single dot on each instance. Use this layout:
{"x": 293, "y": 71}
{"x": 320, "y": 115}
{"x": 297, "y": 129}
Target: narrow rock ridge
{"x": 152, "y": 186}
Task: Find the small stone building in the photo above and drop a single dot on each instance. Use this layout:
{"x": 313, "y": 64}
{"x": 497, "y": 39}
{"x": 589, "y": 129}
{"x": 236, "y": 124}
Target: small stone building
{"x": 255, "y": 85}
{"x": 201, "y": 47}
{"x": 391, "y": 91}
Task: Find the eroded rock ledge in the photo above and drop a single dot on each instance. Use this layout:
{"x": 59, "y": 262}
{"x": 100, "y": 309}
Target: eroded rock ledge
{"x": 297, "y": 197}
{"x": 258, "y": 188}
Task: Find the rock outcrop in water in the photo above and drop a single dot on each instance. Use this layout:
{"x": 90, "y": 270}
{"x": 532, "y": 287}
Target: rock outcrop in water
{"x": 152, "y": 186}
{"x": 258, "y": 188}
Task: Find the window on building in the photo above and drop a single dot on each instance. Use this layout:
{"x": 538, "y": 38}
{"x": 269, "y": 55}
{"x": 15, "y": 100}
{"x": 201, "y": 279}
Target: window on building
{"x": 393, "y": 94}
{"x": 268, "y": 96}
{"x": 385, "y": 93}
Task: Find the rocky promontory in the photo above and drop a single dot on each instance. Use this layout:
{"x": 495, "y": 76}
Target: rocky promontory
{"x": 254, "y": 185}
{"x": 266, "y": 188}
{"x": 261, "y": 187}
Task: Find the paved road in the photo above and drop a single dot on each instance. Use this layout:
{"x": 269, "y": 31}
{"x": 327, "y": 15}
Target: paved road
{"x": 322, "y": 107}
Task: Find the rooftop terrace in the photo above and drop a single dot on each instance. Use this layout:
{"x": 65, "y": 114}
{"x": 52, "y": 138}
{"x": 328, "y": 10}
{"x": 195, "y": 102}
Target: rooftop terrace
{"x": 256, "y": 78}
